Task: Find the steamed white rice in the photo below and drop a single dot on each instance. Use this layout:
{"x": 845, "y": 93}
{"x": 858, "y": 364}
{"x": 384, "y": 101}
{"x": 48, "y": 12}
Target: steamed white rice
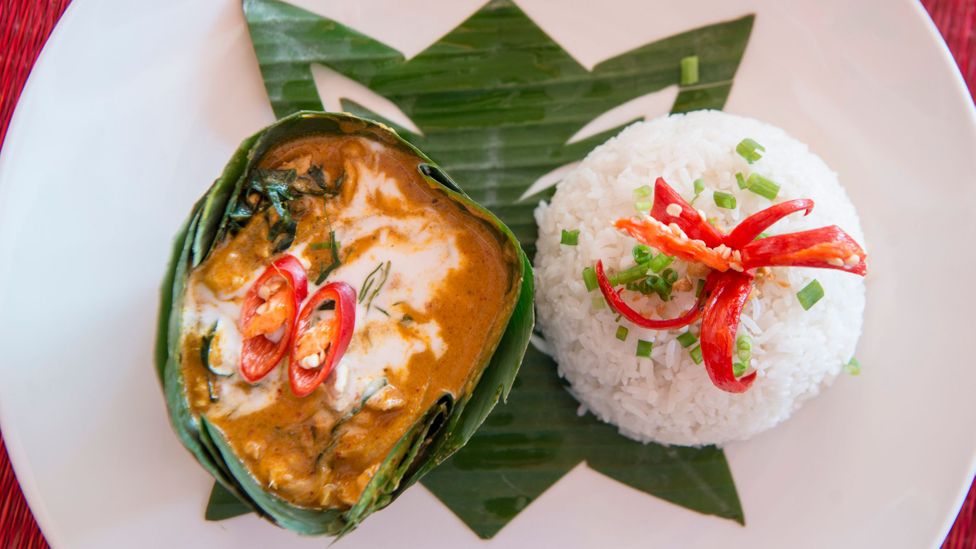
{"x": 668, "y": 398}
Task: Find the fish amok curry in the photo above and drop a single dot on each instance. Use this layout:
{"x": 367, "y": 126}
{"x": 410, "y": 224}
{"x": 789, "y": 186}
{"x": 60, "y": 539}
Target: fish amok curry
{"x": 344, "y": 296}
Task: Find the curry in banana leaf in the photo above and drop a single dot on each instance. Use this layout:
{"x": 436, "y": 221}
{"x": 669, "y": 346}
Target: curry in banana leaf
{"x": 339, "y": 318}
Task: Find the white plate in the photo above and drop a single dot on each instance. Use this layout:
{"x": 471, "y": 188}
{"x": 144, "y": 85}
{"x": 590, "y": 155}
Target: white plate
{"x": 134, "y": 108}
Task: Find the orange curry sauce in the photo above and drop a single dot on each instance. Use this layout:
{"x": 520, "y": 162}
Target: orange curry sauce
{"x": 303, "y": 449}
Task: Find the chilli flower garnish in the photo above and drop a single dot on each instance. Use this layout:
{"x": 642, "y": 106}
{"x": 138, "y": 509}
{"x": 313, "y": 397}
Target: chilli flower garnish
{"x": 676, "y": 228}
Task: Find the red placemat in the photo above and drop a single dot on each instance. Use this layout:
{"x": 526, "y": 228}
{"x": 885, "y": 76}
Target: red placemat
{"x": 24, "y": 27}
{"x": 26, "y": 24}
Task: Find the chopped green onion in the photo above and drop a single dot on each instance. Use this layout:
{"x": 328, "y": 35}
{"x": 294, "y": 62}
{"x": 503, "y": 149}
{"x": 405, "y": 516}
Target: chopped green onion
{"x": 659, "y": 262}
{"x": 569, "y": 238}
{"x": 687, "y": 339}
{"x": 643, "y": 191}
{"x": 589, "y": 278}
{"x": 743, "y": 347}
{"x": 750, "y": 150}
{"x": 622, "y": 332}
{"x": 663, "y": 288}
{"x": 644, "y": 348}
{"x": 321, "y": 245}
{"x": 653, "y": 285}
{"x": 642, "y": 253}
{"x": 724, "y": 200}
{"x": 762, "y": 235}
{"x": 598, "y": 302}
{"x": 644, "y": 205}
{"x": 853, "y": 367}
{"x": 762, "y": 186}
{"x": 669, "y": 276}
{"x": 689, "y": 70}
{"x": 696, "y": 354}
{"x": 738, "y": 369}
{"x": 810, "y": 294}
{"x": 645, "y": 286}
{"x": 740, "y": 180}
{"x": 699, "y": 186}
{"x": 636, "y": 272}
{"x": 699, "y": 287}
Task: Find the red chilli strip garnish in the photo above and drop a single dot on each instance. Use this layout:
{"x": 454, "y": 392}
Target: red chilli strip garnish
{"x": 259, "y": 355}
{"x": 752, "y": 226}
{"x": 655, "y": 234}
{"x": 826, "y": 248}
{"x": 720, "y": 322}
{"x": 689, "y": 220}
{"x": 340, "y": 328}
{"x": 618, "y": 304}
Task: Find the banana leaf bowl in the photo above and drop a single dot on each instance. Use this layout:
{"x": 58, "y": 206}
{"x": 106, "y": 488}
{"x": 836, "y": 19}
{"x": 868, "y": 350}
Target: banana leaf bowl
{"x": 438, "y": 432}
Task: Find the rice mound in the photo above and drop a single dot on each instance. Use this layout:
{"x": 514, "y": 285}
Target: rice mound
{"x": 668, "y": 398}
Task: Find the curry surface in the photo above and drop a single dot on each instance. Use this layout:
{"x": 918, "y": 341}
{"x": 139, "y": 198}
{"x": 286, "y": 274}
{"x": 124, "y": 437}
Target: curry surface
{"x": 301, "y": 448}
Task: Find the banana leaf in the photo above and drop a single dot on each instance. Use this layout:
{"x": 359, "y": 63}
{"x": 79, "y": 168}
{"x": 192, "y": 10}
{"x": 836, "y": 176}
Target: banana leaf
{"x": 441, "y": 431}
{"x": 497, "y": 103}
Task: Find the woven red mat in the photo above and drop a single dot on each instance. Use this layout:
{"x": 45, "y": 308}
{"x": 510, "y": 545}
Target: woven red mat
{"x": 25, "y": 26}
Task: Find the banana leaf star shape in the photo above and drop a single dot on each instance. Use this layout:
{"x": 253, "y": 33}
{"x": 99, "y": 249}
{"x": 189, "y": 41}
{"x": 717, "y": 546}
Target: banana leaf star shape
{"x": 500, "y": 105}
